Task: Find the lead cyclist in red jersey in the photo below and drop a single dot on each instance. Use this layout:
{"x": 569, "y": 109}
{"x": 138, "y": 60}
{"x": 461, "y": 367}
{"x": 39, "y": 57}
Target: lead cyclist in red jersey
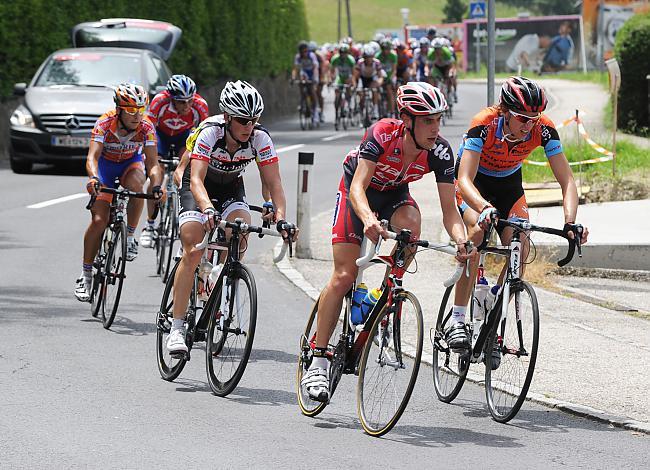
{"x": 117, "y": 143}
{"x": 375, "y": 185}
{"x": 489, "y": 176}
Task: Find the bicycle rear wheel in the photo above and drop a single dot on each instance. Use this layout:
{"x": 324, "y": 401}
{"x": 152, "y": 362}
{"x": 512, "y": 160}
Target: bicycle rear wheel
{"x": 449, "y": 367}
{"x": 389, "y": 364}
{"x": 158, "y": 238}
{"x": 230, "y": 337}
{"x": 169, "y": 366}
{"x": 98, "y": 279}
{"x": 168, "y": 236}
{"x": 114, "y": 274}
{"x": 508, "y": 374}
{"x": 308, "y": 407}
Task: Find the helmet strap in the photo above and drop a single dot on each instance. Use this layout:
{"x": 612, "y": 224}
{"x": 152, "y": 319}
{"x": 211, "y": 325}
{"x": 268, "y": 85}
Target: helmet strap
{"x": 412, "y": 132}
{"x": 232, "y": 136}
{"x": 508, "y": 136}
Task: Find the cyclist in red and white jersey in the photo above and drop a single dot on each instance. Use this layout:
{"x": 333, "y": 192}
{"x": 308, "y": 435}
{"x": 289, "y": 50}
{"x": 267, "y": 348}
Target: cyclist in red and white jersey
{"x": 372, "y": 74}
{"x": 489, "y": 176}
{"x": 174, "y": 112}
{"x": 374, "y": 186}
{"x": 117, "y": 144}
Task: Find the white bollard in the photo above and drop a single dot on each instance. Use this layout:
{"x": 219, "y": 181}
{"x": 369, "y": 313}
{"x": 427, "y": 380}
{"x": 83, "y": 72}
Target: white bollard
{"x": 303, "y": 205}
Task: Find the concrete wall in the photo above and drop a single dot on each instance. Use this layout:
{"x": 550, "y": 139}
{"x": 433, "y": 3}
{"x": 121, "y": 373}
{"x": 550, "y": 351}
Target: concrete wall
{"x": 280, "y": 100}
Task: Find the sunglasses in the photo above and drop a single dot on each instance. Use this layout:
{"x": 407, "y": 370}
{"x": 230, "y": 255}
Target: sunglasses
{"x": 245, "y": 121}
{"x": 187, "y": 101}
{"x": 523, "y": 119}
{"x": 133, "y": 110}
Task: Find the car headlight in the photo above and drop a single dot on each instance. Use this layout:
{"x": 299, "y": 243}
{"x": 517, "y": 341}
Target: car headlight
{"x": 21, "y": 117}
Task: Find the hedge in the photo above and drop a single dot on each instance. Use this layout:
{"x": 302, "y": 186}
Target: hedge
{"x": 633, "y": 54}
{"x": 221, "y": 38}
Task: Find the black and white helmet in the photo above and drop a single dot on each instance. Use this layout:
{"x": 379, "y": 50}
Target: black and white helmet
{"x": 241, "y": 99}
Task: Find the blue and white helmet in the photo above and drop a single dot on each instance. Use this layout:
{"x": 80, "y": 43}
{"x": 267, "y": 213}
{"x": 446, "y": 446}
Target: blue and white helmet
{"x": 241, "y": 99}
{"x": 181, "y": 87}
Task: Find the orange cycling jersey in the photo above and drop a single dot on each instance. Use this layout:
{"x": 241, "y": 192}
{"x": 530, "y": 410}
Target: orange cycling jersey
{"x": 485, "y": 136}
{"x": 119, "y": 148}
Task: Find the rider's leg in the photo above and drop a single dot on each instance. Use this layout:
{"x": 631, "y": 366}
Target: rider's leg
{"x": 92, "y": 239}
{"x": 463, "y": 289}
{"x": 133, "y": 179}
{"x": 191, "y": 234}
{"x": 390, "y": 95}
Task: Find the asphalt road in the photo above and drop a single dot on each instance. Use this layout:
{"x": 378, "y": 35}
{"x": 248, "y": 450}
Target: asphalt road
{"x": 76, "y": 395}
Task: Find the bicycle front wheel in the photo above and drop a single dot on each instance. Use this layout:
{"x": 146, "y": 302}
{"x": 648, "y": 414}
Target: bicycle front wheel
{"x": 231, "y": 333}
{"x": 168, "y": 236}
{"x": 114, "y": 274}
{"x": 511, "y": 354}
{"x": 98, "y": 279}
{"x": 449, "y": 367}
{"x": 389, "y": 364}
{"x": 169, "y": 366}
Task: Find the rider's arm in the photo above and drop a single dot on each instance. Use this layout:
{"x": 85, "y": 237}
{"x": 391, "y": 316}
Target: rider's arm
{"x": 564, "y": 176}
{"x": 451, "y": 218}
{"x": 466, "y": 173}
{"x": 180, "y": 169}
{"x": 154, "y": 170}
{"x": 198, "y": 170}
{"x": 92, "y": 159}
{"x": 272, "y": 182}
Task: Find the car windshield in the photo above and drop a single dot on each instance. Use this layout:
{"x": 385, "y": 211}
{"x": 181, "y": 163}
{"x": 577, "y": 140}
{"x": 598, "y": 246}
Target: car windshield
{"x": 90, "y": 69}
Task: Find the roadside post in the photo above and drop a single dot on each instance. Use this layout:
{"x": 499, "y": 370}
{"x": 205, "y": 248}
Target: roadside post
{"x": 303, "y": 205}
{"x": 476, "y": 11}
{"x": 491, "y": 13}
{"x": 614, "y": 85}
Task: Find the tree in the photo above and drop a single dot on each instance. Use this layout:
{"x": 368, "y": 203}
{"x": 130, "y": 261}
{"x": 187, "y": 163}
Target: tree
{"x": 455, "y": 11}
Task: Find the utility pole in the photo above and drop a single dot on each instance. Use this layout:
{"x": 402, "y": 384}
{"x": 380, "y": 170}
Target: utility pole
{"x": 347, "y": 10}
{"x": 338, "y": 38}
{"x": 491, "y": 50}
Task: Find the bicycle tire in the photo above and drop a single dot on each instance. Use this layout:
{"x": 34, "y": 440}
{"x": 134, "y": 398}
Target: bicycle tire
{"x": 114, "y": 274}
{"x": 308, "y": 407}
{"x": 377, "y": 421}
{"x": 169, "y": 366}
{"x": 158, "y": 239}
{"x": 168, "y": 237}
{"x": 512, "y": 338}
{"x": 449, "y": 367}
{"x": 230, "y": 345}
{"x": 98, "y": 280}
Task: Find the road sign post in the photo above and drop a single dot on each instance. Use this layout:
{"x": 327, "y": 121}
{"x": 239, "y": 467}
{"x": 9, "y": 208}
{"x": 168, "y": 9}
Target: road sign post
{"x": 477, "y": 10}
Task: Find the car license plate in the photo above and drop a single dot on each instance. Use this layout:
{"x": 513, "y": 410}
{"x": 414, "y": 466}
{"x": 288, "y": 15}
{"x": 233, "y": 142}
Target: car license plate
{"x": 70, "y": 141}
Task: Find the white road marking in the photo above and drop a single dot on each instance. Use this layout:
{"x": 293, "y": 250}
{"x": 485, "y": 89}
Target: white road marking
{"x": 289, "y": 148}
{"x": 335, "y": 136}
{"x": 51, "y": 202}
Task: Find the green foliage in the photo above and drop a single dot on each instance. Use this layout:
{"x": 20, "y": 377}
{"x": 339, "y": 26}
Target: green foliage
{"x": 221, "y": 38}
{"x": 632, "y": 52}
{"x": 545, "y": 7}
{"x": 455, "y": 11}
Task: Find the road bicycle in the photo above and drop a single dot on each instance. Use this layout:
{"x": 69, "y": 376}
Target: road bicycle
{"x": 110, "y": 263}
{"x": 166, "y": 233}
{"x": 342, "y": 109}
{"x": 226, "y": 319}
{"x": 385, "y": 350}
{"x": 506, "y": 338}
{"x": 307, "y": 106}
{"x": 366, "y": 106}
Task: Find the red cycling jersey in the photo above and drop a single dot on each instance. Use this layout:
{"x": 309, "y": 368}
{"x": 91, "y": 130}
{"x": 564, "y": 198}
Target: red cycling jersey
{"x": 119, "y": 148}
{"x": 382, "y": 144}
{"x": 163, "y": 115}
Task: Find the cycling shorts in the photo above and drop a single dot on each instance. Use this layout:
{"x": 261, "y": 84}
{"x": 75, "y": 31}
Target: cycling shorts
{"x": 505, "y": 193}
{"x": 440, "y": 71}
{"x": 108, "y": 171}
{"x": 347, "y": 227}
{"x": 367, "y": 82}
{"x": 230, "y": 197}
{"x": 165, "y": 141}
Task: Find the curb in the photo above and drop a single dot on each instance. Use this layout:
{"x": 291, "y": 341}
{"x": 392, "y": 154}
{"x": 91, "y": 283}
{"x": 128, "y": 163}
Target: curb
{"x": 594, "y": 414}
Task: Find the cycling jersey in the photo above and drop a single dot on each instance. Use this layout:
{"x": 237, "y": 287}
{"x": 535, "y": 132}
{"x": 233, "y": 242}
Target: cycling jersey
{"x": 167, "y": 120}
{"x": 404, "y": 59}
{"x": 485, "y": 136}
{"x": 208, "y": 143}
{"x": 372, "y": 70}
{"x": 382, "y": 144}
{"x": 421, "y": 61}
{"x": 343, "y": 66}
{"x": 120, "y": 148}
{"x": 387, "y": 61}
{"x": 443, "y": 59}
{"x": 308, "y": 65}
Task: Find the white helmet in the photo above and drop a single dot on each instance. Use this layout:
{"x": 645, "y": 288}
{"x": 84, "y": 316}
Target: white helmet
{"x": 438, "y": 43}
{"x": 241, "y": 99}
{"x": 379, "y": 37}
{"x": 420, "y": 99}
{"x": 424, "y": 41}
{"x": 369, "y": 50}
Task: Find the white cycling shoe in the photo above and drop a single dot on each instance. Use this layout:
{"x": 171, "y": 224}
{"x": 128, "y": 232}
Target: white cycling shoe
{"x": 82, "y": 290}
{"x": 317, "y": 383}
{"x": 131, "y": 249}
{"x": 176, "y": 342}
{"x": 146, "y": 237}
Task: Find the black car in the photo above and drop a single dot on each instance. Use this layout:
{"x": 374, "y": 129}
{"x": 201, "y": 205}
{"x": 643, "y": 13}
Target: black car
{"x": 73, "y": 87}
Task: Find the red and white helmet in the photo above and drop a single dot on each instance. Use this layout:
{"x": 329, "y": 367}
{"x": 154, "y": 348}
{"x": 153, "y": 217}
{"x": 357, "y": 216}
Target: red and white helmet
{"x": 420, "y": 99}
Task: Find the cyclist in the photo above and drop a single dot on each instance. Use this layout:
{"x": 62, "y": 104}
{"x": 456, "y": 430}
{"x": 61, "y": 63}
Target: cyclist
{"x": 374, "y": 185}
{"x": 341, "y": 69}
{"x": 421, "y": 58}
{"x": 174, "y": 112}
{"x": 388, "y": 59}
{"x": 405, "y": 63}
{"x": 306, "y": 67}
{"x": 372, "y": 75}
{"x": 442, "y": 61}
{"x": 117, "y": 143}
{"x": 322, "y": 76}
{"x": 220, "y": 149}
{"x": 489, "y": 182}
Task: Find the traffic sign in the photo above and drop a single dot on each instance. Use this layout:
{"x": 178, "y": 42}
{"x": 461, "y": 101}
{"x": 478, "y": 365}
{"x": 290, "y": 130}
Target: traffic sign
{"x": 477, "y": 9}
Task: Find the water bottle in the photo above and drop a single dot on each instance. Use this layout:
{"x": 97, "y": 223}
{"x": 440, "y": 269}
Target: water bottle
{"x": 204, "y": 271}
{"x": 491, "y": 297}
{"x": 358, "y": 295}
{"x": 480, "y": 294}
{"x": 369, "y": 302}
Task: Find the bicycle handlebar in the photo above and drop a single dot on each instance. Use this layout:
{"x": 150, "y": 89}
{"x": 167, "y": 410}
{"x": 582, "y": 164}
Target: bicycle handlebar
{"x": 121, "y": 193}
{"x": 525, "y": 225}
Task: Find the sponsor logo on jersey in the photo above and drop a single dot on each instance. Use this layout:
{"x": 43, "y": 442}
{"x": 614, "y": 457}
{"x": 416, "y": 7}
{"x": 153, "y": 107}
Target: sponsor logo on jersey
{"x": 371, "y": 147}
{"x": 203, "y": 148}
{"x": 449, "y": 171}
{"x": 390, "y": 158}
{"x": 336, "y": 208}
{"x": 265, "y": 152}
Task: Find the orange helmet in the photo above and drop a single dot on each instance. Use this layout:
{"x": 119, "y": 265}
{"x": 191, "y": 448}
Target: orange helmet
{"x": 128, "y": 94}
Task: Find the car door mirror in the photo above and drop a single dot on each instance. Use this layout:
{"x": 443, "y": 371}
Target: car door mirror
{"x": 19, "y": 89}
